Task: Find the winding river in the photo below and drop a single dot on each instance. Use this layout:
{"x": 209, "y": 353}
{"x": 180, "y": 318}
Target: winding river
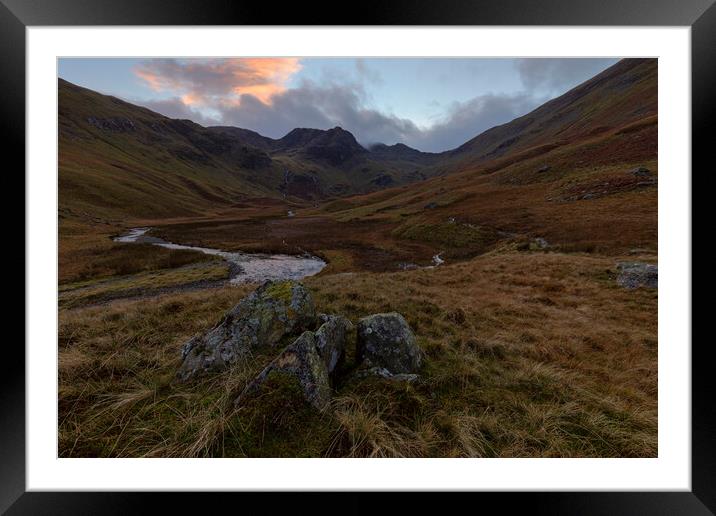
{"x": 245, "y": 267}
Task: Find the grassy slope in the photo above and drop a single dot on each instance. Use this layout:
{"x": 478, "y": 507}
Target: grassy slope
{"x": 624, "y": 93}
{"x": 527, "y": 355}
{"x": 120, "y": 161}
{"x": 151, "y": 167}
{"x": 515, "y": 198}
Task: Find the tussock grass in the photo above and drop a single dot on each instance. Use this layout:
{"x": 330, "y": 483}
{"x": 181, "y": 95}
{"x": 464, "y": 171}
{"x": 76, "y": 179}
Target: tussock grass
{"x": 527, "y": 355}
{"x": 92, "y": 255}
{"x": 77, "y": 294}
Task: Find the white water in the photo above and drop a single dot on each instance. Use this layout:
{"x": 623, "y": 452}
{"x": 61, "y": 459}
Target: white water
{"x": 253, "y": 268}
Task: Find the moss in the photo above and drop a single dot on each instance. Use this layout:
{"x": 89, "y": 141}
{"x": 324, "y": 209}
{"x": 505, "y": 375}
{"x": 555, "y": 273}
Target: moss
{"x": 277, "y": 421}
{"x": 281, "y": 290}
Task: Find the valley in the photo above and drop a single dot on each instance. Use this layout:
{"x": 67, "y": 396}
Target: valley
{"x": 532, "y": 348}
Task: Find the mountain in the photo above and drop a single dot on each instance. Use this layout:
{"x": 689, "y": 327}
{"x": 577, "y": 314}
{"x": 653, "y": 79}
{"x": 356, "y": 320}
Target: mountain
{"x": 122, "y": 161}
{"x": 119, "y": 160}
{"x": 623, "y": 93}
{"x": 580, "y": 171}
{"x": 402, "y": 152}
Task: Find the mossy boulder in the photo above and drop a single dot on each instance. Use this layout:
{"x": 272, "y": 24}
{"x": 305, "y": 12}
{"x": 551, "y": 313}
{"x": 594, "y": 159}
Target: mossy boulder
{"x": 386, "y": 341}
{"x": 273, "y": 311}
{"x": 300, "y": 366}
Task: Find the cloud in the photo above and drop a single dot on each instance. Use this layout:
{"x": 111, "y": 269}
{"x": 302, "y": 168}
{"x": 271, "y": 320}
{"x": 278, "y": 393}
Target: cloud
{"x": 558, "y": 75}
{"x": 326, "y": 106}
{"x": 465, "y": 120}
{"x": 203, "y": 81}
{"x": 176, "y": 107}
{"x": 366, "y": 72}
{"x": 253, "y": 94}
{"x": 323, "y": 107}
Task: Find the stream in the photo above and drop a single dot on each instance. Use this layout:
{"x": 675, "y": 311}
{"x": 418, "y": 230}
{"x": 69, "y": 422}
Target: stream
{"x": 245, "y": 267}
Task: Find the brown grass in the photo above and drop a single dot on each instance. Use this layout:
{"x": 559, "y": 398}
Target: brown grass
{"x": 87, "y": 252}
{"x": 527, "y": 354}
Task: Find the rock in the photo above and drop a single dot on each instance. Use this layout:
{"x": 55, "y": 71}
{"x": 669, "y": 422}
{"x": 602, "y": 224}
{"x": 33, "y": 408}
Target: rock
{"x": 543, "y": 169}
{"x": 386, "y": 341}
{"x": 299, "y": 365}
{"x": 331, "y": 340}
{"x": 262, "y": 319}
{"x": 637, "y": 274}
{"x": 118, "y": 124}
{"x": 382, "y": 180}
{"x": 641, "y": 172}
{"x": 640, "y": 250}
{"x": 431, "y": 206}
{"x": 538, "y": 243}
{"x": 381, "y": 372}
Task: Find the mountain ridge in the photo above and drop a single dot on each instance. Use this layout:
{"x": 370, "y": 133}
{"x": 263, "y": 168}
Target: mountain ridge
{"x": 124, "y": 160}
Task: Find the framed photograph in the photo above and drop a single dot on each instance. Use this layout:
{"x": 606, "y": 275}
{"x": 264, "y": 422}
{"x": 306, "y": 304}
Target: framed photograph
{"x": 440, "y": 248}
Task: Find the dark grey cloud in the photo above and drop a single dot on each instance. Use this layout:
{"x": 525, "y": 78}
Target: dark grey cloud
{"x": 324, "y": 107}
{"x": 366, "y": 72}
{"x": 557, "y": 75}
{"x": 320, "y": 107}
{"x": 272, "y": 110}
{"x": 465, "y": 120}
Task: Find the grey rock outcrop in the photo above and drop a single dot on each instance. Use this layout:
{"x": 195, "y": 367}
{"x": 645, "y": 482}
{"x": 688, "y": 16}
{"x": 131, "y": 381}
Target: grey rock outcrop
{"x": 641, "y": 172}
{"x": 637, "y": 274}
{"x": 299, "y": 365}
{"x": 331, "y": 339}
{"x": 262, "y": 319}
{"x": 309, "y": 363}
{"x": 382, "y": 372}
{"x": 386, "y": 341}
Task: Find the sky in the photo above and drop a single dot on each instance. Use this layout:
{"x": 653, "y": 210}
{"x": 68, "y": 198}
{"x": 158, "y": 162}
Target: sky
{"x": 431, "y": 104}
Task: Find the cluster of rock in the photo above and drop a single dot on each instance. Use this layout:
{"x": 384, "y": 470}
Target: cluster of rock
{"x": 637, "y": 274}
{"x": 385, "y": 344}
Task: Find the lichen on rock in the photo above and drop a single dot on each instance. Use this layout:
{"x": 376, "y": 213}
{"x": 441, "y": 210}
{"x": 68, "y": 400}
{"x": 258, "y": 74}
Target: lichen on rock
{"x": 299, "y": 363}
{"x": 637, "y": 274}
{"x": 331, "y": 339}
{"x": 270, "y": 313}
{"x": 386, "y": 341}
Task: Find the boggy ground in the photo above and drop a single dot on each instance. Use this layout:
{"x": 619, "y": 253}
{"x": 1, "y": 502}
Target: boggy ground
{"x": 528, "y": 354}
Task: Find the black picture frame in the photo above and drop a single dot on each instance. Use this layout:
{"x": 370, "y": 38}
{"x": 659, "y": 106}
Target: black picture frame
{"x": 17, "y": 15}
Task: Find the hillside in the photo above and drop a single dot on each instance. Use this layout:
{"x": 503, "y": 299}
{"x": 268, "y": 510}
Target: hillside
{"x": 579, "y": 171}
{"x": 594, "y": 188}
{"x": 120, "y": 161}
{"x": 622, "y": 94}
